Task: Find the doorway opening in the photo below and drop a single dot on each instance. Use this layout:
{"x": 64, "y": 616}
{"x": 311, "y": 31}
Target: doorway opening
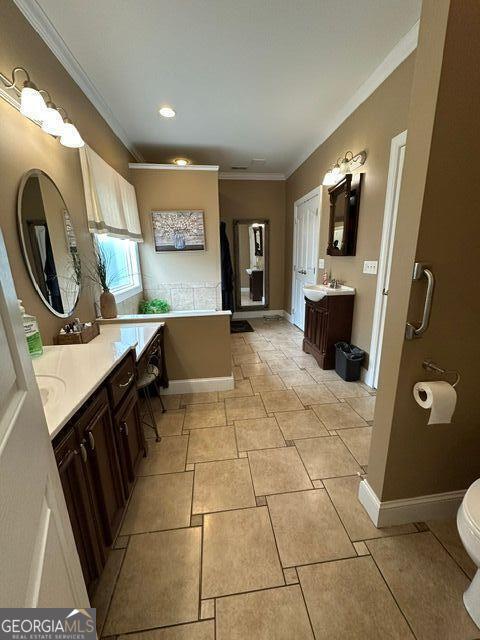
{"x": 306, "y": 230}
{"x": 394, "y": 182}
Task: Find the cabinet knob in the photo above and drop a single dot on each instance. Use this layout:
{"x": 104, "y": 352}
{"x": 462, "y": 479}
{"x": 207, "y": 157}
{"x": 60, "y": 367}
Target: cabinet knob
{"x": 125, "y": 428}
{"x": 91, "y": 440}
{"x": 83, "y": 452}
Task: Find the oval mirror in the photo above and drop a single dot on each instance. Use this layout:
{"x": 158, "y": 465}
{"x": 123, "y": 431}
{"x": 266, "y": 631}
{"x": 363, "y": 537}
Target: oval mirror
{"x": 48, "y": 242}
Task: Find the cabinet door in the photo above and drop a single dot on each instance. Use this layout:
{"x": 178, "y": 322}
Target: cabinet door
{"x": 71, "y": 457}
{"x": 95, "y": 430}
{"x": 310, "y": 322}
{"x": 130, "y": 437}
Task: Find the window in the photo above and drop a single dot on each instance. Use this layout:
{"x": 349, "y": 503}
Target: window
{"x": 123, "y": 265}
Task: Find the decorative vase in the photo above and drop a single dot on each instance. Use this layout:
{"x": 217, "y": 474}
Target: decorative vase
{"x": 179, "y": 241}
{"x": 108, "y": 305}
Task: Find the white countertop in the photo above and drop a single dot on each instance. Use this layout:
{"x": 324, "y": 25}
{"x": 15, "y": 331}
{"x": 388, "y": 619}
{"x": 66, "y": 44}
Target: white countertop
{"x": 138, "y": 334}
{"x": 69, "y": 374}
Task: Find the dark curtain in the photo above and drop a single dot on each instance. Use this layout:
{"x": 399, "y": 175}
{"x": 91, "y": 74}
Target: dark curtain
{"x": 227, "y": 270}
{"x": 51, "y": 278}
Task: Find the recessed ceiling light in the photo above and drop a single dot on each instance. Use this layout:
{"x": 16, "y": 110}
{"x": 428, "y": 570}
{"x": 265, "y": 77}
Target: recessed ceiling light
{"x": 167, "y": 112}
{"x": 181, "y": 162}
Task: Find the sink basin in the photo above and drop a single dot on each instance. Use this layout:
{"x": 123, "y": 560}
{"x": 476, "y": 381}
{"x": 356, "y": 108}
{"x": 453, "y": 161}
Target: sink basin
{"x": 51, "y": 388}
{"x": 316, "y": 292}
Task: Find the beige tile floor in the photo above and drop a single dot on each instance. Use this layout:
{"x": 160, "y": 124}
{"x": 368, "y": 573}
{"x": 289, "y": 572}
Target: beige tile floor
{"x": 244, "y": 521}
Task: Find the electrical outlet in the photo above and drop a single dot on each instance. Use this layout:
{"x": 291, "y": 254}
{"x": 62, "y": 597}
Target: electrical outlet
{"x": 370, "y": 267}
{"x": 321, "y": 263}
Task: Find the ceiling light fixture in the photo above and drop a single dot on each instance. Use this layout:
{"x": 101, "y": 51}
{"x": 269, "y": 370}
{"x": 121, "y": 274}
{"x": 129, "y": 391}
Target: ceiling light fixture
{"x": 167, "y": 112}
{"x": 344, "y": 165}
{"x": 181, "y": 162}
{"x": 46, "y": 114}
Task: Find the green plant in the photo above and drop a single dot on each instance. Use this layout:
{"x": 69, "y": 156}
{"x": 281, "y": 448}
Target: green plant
{"x": 153, "y": 306}
{"x": 100, "y": 270}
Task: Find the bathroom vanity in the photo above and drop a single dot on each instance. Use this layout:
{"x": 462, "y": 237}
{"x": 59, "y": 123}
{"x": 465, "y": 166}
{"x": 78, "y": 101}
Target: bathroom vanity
{"x": 92, "y": 409}
{"x": 328, "y": 319}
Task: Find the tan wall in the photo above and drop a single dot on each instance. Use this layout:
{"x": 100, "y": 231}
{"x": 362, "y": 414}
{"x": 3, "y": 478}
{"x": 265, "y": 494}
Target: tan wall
{"x": 249, "y": 199}
{"x": 371, "y": 127}
{"x": 24, "y": 146}
{"x": 161, "y": 190}
{"x": 198, "y": 347}
{"x": 409, "y": 458}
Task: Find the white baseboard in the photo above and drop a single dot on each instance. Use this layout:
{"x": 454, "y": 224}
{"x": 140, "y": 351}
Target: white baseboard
{"x": 199, "y": 385}
{"x": 391, "y": 512}
{"x": 243, "y": 315}
{"x": 288, "y": 316}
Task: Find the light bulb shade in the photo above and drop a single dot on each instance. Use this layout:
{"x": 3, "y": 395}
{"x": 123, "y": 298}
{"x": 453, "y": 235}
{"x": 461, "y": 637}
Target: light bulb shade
{"x": 53, "y": 122}
{"x": 70, "y": 136}
{"x": 332, "y": 177}
{"x": 32, "y": 104}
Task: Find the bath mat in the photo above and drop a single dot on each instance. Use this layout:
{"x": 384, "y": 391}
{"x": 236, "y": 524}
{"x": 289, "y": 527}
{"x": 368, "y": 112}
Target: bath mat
{"x": 240, "y": 326}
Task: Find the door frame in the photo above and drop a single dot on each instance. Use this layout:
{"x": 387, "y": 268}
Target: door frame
{"x": 388, "y": 239}
{"x": 317, "y": 191}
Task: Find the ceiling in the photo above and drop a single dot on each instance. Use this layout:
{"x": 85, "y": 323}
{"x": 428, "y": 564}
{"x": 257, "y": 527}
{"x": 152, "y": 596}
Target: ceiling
{"x": 249, "y": 79}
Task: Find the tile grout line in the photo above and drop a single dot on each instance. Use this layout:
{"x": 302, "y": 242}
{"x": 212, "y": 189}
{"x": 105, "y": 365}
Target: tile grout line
{"x": 392, "y": 594}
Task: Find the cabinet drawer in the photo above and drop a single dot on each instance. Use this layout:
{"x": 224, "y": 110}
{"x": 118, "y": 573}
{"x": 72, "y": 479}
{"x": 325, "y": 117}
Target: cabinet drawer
{"x": 122, "y": 380}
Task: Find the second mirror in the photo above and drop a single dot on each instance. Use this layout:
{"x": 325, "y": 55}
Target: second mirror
{"x": 251, "y": 264}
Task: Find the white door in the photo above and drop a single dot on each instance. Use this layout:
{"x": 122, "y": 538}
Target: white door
{"x": 305, "y": 251}
{"x": 394, "y": 181}
{"x": 39, "y": 565}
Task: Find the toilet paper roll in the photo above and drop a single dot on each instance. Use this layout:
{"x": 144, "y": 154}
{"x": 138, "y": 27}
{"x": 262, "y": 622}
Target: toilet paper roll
{"x": 440, "y": 397}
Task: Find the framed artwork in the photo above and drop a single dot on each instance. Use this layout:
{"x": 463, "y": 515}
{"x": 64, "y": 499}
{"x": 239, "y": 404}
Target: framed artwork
{"x": 178, "y": 230}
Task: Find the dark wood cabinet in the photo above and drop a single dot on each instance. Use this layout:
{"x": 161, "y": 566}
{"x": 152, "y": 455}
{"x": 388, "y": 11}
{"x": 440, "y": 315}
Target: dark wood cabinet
{"x": 97, "y": 455}
{"x": 130, "y": 438}
{"x": 327, "y": 322}
{"x": 71, "y": 457}
{"x": 96, "y": 433}
{"x": 256, "y": 285}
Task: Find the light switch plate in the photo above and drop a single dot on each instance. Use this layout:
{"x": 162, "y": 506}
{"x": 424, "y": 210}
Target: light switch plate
{"x": 321, "y": 263}
{"x": 370, "y": 267}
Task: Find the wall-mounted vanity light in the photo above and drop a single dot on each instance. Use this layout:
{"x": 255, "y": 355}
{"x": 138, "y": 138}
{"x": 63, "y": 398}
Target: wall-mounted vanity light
{"x": 46, "y": 114}
{"x": 344, "y": 165}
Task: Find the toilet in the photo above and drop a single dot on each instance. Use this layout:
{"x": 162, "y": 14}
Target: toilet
{"x": 468, "y": 523}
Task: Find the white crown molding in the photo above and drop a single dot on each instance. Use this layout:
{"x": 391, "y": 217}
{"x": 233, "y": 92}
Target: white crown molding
{"x": 43, "y": 26}
{"x": 393, "y": 512}
{"x": 397, "y": 55}
{"x": 173, "y": 167}
{"x": 250, "y": 176}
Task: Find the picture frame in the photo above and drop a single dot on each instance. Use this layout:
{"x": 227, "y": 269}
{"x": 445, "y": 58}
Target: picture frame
{"x": 178, "y": 230}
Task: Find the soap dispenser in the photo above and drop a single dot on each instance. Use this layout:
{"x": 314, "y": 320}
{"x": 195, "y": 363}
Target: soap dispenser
{"x": 32, "y": 333}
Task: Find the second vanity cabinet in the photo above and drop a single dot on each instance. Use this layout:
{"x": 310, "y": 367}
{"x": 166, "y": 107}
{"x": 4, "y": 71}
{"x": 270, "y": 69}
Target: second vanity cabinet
{"x": 97, "y": 454}
{"x": 326, "y": 322}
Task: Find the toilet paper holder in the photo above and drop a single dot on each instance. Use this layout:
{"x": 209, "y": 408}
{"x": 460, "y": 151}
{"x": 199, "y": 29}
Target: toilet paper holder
{"x": 429, "y": 365}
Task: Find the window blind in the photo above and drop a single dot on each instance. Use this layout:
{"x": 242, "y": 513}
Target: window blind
{"x": 110, "y": 199}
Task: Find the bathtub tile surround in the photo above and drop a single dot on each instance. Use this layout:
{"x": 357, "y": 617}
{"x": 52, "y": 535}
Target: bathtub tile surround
{"x": 187, "y": 296}
{"x": 250, "y": 504}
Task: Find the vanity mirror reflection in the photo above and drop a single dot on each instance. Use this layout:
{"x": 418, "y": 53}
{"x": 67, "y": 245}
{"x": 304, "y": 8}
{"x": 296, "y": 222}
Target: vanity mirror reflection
{"x": 251, "y": 264}
{"x": 344, "y": 206}
{"x": 48, "y": 242}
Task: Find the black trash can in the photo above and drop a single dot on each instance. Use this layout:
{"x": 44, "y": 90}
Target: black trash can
{"x": 348, "y": 361}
